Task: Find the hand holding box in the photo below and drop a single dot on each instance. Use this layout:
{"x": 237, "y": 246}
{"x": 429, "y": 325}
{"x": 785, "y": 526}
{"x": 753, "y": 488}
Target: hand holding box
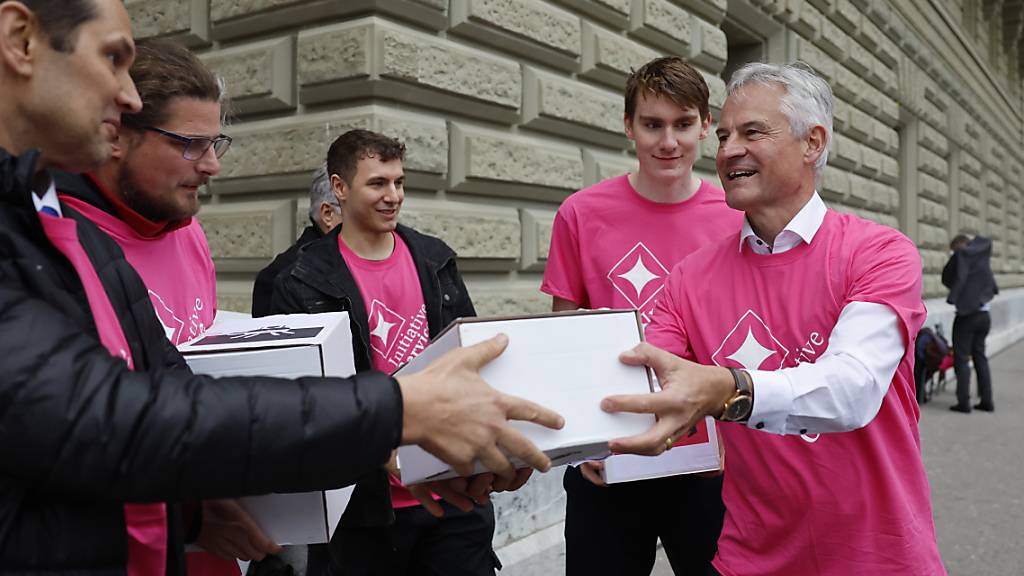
{"x": 566, "y": 361}
{"x": 452, "y": 413}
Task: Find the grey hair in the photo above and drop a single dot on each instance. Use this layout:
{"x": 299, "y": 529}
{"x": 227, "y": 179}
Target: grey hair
{"x": 319, "y": 192}
{"x": 808, "y": 101}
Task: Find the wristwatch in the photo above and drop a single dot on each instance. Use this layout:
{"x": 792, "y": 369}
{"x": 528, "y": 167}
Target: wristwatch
{"x": 738, "y": 408}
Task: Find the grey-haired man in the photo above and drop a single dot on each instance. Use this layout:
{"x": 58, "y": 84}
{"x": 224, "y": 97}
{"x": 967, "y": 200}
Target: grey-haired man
{"x": 799, "y": 338}
{"x": 324, "y": 215}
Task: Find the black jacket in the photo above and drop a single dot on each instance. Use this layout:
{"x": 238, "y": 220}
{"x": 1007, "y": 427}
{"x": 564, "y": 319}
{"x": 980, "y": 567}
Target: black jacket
{"x": 81, "y": 187}
{"x": 80, "y": 434}
{"x": 320, "y": 281}
{"x": 968, "y": 275}
{"x": 264, "y": 285}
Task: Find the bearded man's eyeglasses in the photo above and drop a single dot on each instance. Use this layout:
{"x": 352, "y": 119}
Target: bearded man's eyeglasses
{"x": 196, "y": 147}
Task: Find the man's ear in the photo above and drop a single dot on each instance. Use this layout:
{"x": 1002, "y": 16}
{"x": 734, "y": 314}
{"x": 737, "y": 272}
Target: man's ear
{"x": 329, "y": 216}
{"x": 326, "y": 209}
{"x": 120, "y": 145}
{"x": 705, "y": 125}
{"x": 627, "y": 124}
{"x": 816, "y": 141}
{"x": 339, "y": 187}
{"x": 20, "y": 38}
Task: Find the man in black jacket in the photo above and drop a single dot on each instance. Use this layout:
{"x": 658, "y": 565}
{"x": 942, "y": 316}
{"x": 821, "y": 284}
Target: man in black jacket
{"x": 968, "y": 275}
{"x": 145, "y": 197}
{"x": 324, "y": 215}
{"x": 80, "y": 431}
{"x": 400, "y": 288}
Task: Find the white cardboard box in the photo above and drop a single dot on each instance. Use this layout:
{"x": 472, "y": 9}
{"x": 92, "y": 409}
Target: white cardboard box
{"x": 565, "y": 361}
{"x": 288, "y": 346}
{"x": 693, "y": 453}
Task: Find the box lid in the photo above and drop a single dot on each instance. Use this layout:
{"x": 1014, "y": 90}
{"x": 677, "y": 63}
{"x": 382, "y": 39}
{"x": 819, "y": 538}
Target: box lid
{"x": 268, "y": 332}
{"x": 458, "y": 322}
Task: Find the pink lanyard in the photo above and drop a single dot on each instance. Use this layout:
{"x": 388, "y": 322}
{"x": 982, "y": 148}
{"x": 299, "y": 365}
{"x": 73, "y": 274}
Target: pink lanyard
{"x": 146, "y": 523}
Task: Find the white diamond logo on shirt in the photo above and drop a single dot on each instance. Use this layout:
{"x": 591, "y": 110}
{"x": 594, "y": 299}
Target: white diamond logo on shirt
{"x": 385, "y": 323}
{"x": 751, "y": 354}
{"x": 173, "y": 326}
{"x": 751, "y": 345}
{"x": 638, "y": 276}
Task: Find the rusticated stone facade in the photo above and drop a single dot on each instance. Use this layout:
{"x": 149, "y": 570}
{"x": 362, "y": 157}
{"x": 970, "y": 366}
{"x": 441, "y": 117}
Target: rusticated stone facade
{"x": 508, "y": 106}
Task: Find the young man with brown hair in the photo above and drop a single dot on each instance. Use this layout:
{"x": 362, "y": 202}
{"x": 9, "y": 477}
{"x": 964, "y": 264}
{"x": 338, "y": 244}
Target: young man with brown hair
{"x": 400, "y": 288}
{"x": 613, "y": 245}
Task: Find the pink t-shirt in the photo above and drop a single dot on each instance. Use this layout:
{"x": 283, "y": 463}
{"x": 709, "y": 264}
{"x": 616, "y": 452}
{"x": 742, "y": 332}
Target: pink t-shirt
{"x": 397, "y": 318}
{"x": 175, "y": 266}
{"x": 177, "y": 269}
{"x": 849, "y": 503}
{"x": 613, "y": 248}
{"x": 146, "y": 523}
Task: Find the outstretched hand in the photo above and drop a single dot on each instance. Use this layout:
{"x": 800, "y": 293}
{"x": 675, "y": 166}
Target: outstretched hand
{"x": 689, "y": 391}
{"x": 452, "y": 413}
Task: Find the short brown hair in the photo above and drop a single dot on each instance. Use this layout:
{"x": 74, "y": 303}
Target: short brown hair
{"x": 60, "y": 20}
{"x": 670, "y": 77}
{"x": 164, "y": 70}
{"x": 348, "y": 149}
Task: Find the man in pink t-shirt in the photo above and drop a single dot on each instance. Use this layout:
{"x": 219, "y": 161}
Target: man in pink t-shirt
{"x": 799, "y": 337}
{"x": 612, "y": 246}
{"x": 145, "y": 198}
{"x": 400, "y": 289}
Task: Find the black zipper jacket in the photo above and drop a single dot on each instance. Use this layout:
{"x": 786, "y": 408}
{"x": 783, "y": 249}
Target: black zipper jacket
{"x": 263, "y": 287}
{"x": 968, "y": 275}
{"x": 320, "y": 281}
{"x": 80, "y": 433}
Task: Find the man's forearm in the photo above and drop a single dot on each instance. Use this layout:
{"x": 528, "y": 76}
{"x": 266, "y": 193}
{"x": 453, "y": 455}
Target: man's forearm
{"x": 844, "y": 388}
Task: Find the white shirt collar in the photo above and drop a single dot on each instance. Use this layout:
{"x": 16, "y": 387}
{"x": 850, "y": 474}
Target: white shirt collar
{"x": 49, "y": 199}
{"x": 801, "y": 228}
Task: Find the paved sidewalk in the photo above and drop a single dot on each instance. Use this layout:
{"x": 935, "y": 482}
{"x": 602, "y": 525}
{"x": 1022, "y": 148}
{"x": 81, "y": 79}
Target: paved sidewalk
{"x": 975, "y": 464}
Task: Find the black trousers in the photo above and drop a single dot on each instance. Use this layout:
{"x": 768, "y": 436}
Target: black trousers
{"x": 615, "y": 529}
{"x": 417, "y": 544}
{"x": 969, "y": 333}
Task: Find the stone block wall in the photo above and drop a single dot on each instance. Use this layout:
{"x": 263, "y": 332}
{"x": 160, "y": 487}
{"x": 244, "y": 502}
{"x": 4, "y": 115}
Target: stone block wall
{"x": 508, "y": 106}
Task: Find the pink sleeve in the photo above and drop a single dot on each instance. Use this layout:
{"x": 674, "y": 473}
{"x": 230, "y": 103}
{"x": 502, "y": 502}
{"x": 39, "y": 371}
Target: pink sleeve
{"x": 563, "y": 275}
{"x": 886, "y": 269}
{"x": 667, "y": 329}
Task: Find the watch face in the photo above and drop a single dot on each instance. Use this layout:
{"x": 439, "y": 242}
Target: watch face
{"x": 738, "y": 409}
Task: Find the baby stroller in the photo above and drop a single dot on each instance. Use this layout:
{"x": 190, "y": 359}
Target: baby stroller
{"x": 932, "y": 357}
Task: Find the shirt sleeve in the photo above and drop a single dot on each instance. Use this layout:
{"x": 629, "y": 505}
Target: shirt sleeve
{"x": 881, "y": 313}
{"x": 563, "y": 274}
{"x": 844, "y": 389}
{"x": 667, "y": 329}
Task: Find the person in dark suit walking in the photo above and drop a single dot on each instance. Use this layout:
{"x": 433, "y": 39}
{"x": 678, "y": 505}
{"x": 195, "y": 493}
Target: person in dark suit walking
{"x": 968, "y": 275}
